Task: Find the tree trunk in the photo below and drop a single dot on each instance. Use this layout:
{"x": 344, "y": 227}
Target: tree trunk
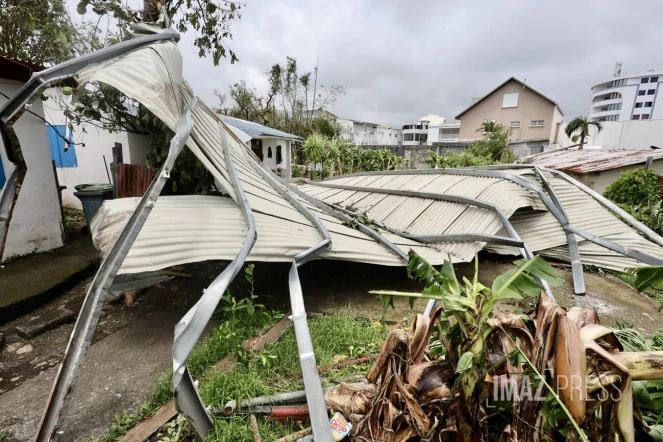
{"x": 150, "y": 11}
{"x": 582, "y": 141}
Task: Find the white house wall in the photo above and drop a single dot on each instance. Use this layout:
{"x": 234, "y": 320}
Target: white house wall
{"x": 630, "y": 134}
{"x": 36, "y": 225}
{"x": 271, "y": 162}
{"x": 601, "y": 180}
{"x": 90, "y": 158}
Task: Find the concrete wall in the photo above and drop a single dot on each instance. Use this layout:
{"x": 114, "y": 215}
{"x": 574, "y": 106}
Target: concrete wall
{"x": 601, "y": 180}
{"x": 36, "y": 225}
{"x": 632, "y": 134}
{"x": 531, "y": 106}
{"x": 90, "y": 158}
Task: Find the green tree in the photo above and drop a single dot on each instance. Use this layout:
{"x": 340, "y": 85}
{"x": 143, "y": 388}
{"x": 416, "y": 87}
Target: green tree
{"x": 581, "y": 126}
{"x": 314, "y": 150}
{"x": 209, "y": 19}
{"x": 38, "y": 31}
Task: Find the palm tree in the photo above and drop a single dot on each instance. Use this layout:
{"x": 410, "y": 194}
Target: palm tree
{"x": 582, "y": 126}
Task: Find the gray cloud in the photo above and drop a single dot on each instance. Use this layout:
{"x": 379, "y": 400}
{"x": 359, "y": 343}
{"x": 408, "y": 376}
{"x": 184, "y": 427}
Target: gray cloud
{"x": 402, "y": 60}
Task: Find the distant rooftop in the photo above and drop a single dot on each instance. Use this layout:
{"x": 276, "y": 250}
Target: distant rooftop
{"x": 256, "y": 130}
{"x": 590, "y": 160}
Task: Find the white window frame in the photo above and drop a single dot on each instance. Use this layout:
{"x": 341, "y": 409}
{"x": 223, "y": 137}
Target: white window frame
{"x": 533, "y": 123}
{"x": 510, "y": 100}
{"x": 514, "y": 124}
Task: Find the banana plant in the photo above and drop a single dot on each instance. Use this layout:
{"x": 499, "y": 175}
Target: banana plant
{"x": 465, "y": 315}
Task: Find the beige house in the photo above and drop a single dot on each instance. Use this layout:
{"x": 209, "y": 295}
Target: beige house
{"x": 531, "y": 116}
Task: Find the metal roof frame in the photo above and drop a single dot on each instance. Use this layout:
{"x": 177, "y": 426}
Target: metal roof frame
{"x": 497, "y": 171}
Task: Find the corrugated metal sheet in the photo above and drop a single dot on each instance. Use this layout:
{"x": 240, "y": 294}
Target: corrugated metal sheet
{"x": 257, "y": 130}
{"x": 537, "y": 227}
{"x": 590, "y": 160}
{"x": 194, "y": 229}
{"x": 283, "y": 231}
{"x": 133, "y": 179}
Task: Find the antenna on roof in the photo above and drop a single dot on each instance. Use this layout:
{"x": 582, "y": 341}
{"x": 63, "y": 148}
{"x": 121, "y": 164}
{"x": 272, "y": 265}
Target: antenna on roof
{"x": 618, "y": 69}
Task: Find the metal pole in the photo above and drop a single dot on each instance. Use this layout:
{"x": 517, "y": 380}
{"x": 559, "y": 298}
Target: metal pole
{"x": 191, "y": 326}
{"x": 81, "y": 336}
{"x": 313, "y": 386}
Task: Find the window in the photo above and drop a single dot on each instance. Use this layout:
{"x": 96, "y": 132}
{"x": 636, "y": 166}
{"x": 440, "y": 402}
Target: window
{"x": 653, "y": 79}
{"x": 537, "y": 123}
{"x": 636, "y": 117}
{"x": 644, "y": 80}
{"x": 644, "y": 117}
{"x": 642, "y": 92}
{"x": 651, "y": 91}
{"x": 510, "y": 100}
{"x": 408, "y": 137}
{"x": 638, "y": 104}
{"x": 62, "y": 157}
{"x": 648, "y": 103}
{"x": 515, "y": 124}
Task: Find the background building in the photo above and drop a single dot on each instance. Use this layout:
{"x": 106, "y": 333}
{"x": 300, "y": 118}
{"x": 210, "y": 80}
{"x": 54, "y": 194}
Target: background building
{"x": 446, "y": 132}
{"x": 532, "y": 117}
{"x": 417, "y": 134}
{"x": 627, "y": 97}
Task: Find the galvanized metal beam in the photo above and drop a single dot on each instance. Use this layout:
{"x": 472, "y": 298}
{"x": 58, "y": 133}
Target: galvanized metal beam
{"x": 191, "y": 326}
{"x": 574, "y": 252}
{"x": 513, "y": 235}
{"x": 646, "y": 231}
{"x": 314, "y": 393}
{"x": 81, "y": 335}
{"x": 563, "y": 221}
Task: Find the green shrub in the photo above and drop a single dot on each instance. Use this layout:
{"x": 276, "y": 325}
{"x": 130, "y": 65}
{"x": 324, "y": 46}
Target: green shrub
{"x": 636, "y": 191}
{"x": 635, "y": 187}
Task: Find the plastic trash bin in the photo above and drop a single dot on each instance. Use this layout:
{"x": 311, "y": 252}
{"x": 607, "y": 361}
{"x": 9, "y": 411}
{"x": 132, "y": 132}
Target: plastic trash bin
{"x": 92, "y": 196}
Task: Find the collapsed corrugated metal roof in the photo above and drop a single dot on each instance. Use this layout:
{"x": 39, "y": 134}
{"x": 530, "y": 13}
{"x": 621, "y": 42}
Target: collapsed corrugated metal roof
{"x": 436, "y": 213}
{"x": 533, "y": 222}
{"x": 590, "y": 160}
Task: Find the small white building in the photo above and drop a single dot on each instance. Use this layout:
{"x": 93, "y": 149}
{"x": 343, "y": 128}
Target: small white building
{"x": 625, "y": 97}
{"x": 273, "y": 147}
{"x": 36, "y": 224}
{"x": 88, "y": 155}
{"x": 446, "y": 132}
{"x": 417, "y": 134}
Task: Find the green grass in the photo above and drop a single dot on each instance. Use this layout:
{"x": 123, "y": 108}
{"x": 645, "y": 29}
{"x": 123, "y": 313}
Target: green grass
{"x": 333, "y": 337}
{"x": 225, "y": 339}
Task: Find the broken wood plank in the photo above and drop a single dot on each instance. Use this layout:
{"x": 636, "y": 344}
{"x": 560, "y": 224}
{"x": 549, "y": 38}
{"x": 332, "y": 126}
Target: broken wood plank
{"x": 151, "y": 425}
{"x": 45, "y": 322}
{"x": 174, "y": 273}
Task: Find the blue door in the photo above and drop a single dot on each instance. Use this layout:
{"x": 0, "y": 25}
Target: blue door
{"x": 64, "y": 154}
{"x": 2, "y": 175}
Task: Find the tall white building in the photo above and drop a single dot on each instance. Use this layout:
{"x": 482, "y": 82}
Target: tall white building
{"x": 627, "y": 97}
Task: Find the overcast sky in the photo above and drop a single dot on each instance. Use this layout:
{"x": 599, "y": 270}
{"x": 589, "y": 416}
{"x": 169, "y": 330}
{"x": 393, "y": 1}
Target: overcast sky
{"x": 401, "y": 60}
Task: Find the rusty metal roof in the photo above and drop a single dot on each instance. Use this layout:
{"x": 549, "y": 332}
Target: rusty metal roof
{"x": 590, "y": 160}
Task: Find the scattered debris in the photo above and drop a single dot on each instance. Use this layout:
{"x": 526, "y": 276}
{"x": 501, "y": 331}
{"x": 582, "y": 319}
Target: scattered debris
{"x": 25, "y": 349}
{"x": 46, "y": 322}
